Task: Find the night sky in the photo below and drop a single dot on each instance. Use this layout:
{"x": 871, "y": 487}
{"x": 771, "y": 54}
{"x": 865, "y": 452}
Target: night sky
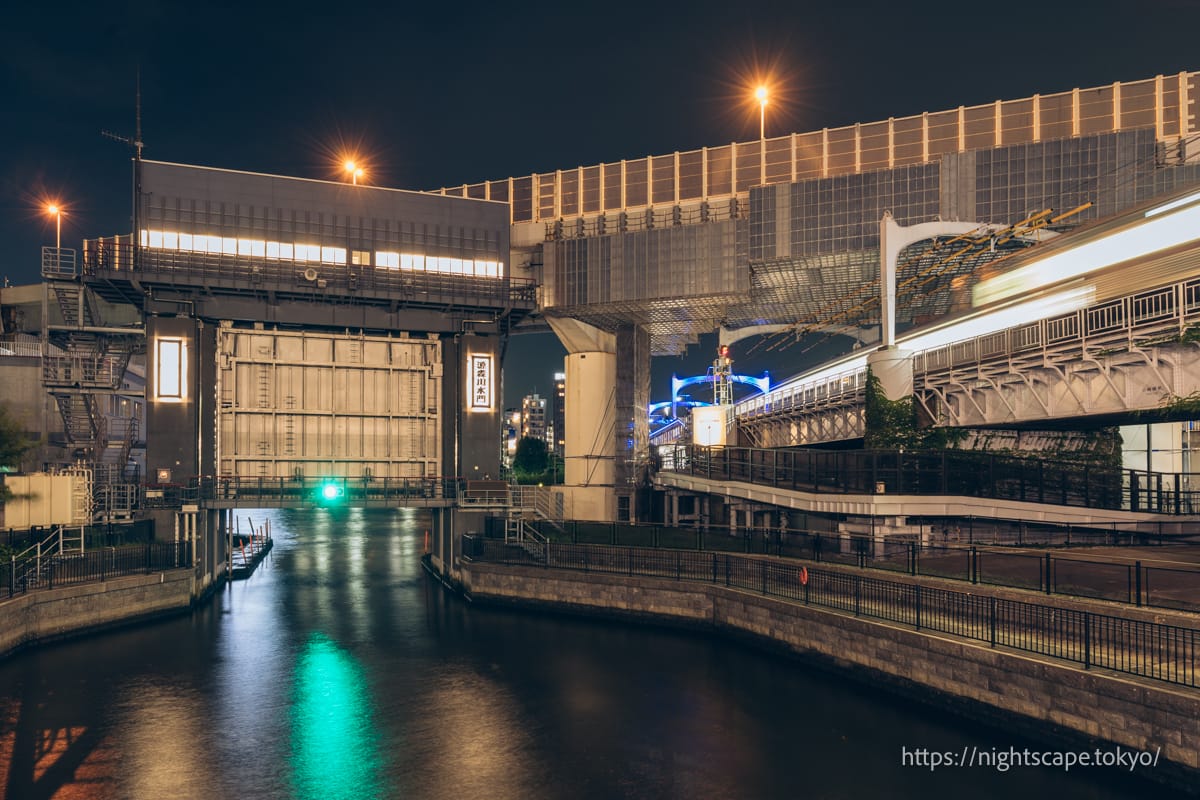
{"x": 439, "y": 94}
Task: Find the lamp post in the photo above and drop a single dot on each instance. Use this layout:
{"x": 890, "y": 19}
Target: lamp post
{"x": 761, "y": 94}
{"x": 354, "y": 170}
{"x": 56, "y": 211}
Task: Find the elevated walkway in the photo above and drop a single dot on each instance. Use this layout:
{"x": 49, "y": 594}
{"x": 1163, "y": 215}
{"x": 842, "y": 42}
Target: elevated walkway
{"x": 906, "y": 505}
{"x": 947, "y": 484}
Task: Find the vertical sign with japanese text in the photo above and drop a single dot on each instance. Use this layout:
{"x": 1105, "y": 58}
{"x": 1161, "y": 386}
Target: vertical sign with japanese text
{"x": 479, "y": 382}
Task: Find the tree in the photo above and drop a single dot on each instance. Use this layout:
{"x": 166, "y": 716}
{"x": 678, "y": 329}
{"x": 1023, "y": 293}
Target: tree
{"x": 530, "y": 460}
{"x": 13, "y": 445}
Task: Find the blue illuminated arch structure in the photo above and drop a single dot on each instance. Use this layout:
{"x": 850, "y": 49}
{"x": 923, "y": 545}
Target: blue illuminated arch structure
{"x": 667, "y": 411}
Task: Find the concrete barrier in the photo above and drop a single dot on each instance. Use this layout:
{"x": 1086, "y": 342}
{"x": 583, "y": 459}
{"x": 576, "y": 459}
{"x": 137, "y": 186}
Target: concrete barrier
{"x": 46, "y": 615}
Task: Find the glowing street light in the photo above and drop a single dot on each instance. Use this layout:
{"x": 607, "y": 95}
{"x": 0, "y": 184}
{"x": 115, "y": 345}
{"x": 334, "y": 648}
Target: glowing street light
{"x": 761, "y": 94}
{"x": 353, "y": 170}
{"x": 56, "y": 211}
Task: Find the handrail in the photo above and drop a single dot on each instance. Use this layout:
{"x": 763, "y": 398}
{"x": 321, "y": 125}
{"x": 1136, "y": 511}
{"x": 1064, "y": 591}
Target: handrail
{"x": 1151, "y": 650}
{"x": 111, "y": 258}
{"x": 949, "y": 472}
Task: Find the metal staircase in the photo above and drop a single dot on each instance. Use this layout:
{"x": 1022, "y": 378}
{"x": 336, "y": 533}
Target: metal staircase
{"x": 519, "y": 532}
{"x": 532, "y": 502}
{"x": 34, "y": 566}
{"x": 85, "y": 369}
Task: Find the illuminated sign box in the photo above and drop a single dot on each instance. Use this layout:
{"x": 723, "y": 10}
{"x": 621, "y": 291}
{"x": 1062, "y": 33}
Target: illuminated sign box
{"x": 479, "y": 382}
{"x": 170, "y": 369}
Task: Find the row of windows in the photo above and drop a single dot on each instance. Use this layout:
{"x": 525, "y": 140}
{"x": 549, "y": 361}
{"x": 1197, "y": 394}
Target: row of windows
{"x": 319, "y": 254}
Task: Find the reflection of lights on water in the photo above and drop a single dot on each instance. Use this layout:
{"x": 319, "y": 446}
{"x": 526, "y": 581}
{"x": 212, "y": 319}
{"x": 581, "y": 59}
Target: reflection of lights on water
{"x": 159, "y": 724}
{"x": 334, "y": 742}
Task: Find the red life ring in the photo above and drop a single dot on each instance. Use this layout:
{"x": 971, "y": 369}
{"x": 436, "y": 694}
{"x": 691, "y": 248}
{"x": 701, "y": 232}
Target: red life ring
{"x": 804, "y": 576}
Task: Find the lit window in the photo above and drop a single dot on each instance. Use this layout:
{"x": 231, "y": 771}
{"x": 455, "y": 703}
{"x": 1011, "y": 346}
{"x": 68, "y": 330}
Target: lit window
{"x": 361, "y": 258}
{"x": 156, "y": 239}
{"x": 387, "y": 260}
{"x": 273, "y": 250}
{"x": 169, "y": 369}
{"x": 228, "y": 246}
{"x": 170, "y": 241}
{"x": 145, "y": 238}
{"x": 286, "y": 251}
{"x": 244, "y": 247}
{"x": 185, "y": 241}
{"x": 333, "y": 255}
{"x": 412, "y": 262}
{"x": 308, "y": 252}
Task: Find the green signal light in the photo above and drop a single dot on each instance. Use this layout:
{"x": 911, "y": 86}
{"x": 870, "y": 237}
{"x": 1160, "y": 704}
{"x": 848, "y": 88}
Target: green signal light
{"x": 331, "y": 491}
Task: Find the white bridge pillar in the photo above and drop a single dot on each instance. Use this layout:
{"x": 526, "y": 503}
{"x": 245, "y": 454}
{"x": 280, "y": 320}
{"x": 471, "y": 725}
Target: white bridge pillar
{"x": 590, "y": 444}
{"x": 893, "y": 367}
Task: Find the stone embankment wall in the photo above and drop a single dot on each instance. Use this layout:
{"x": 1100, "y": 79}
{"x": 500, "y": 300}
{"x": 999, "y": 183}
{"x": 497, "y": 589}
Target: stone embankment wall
{"x": 1044, "y": 699}
{"x": 50, "y": 614}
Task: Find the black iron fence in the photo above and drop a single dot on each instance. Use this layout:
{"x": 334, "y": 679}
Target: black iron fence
{"x": 100, "y": 534}
{"x": 50, "y": 571}
{"x": 948, "y": 472}
{"x": 1121, "y": 579}
{"x": 1146, "y": 649}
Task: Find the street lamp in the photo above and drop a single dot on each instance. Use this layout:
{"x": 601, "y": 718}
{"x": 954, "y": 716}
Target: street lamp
{"x": 761, "y": 94}
{"x": 56, "y": 211}
{"x": 354, "y": 170}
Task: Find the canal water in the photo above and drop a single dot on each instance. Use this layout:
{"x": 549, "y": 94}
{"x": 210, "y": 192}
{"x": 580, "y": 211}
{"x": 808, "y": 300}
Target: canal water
{"x": 340, "y": 670}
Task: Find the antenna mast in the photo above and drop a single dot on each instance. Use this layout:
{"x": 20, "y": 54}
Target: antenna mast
{"x": 137, "y": 144}
{"x": 135, "y": 239}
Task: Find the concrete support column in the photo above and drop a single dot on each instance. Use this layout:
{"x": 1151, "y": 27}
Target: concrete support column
{"x": 590, "y": 403}
{"x": 442, "y": 540}
{"x": 607, "y": 433}
{"x": 893, "y": 367}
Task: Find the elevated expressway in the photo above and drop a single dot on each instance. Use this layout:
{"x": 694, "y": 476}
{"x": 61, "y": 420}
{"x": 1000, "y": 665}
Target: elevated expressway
{"x": 640, "y": 256}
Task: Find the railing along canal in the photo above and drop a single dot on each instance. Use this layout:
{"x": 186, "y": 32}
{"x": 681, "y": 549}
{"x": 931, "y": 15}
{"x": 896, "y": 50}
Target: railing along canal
{"x": 1146, "y": 649}
{"x": 950, "y": 472}
{"x": 100, "y": 564}
{"x": 995, "y": 555}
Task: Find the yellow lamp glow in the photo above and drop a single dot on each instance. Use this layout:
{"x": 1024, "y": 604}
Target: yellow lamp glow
{"x": 56, "y": 211}
{"x": 761, "y": 94}
{"x": 354, "y": 170}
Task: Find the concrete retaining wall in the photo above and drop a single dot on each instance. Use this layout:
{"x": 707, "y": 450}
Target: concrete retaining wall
{"x": 55, "y": 613}
{"x": 1043, "y": 698}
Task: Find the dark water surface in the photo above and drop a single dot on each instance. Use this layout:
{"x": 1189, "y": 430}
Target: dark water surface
{"x": 340, "y": 670}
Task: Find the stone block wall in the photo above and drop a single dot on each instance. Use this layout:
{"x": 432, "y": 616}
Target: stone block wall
{"x": 55, "y": 613}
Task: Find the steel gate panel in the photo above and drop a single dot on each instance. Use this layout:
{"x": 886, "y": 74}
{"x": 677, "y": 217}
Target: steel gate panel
{"x": 327, "y": 405}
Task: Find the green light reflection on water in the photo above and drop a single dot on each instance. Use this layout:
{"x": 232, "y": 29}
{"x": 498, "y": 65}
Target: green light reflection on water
{"x": 334, "y": 741}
